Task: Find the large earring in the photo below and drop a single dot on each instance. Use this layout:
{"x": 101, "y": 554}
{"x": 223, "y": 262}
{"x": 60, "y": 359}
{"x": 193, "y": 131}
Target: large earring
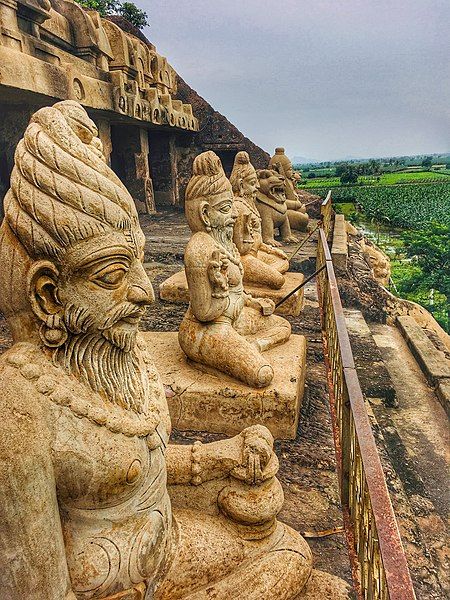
{"x": 53, "y": 331}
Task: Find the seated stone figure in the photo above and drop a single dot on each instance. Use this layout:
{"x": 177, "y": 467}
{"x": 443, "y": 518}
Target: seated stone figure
{"x": 224, "y": 327}
{"x": 272, "y": 207}
{"x": 298, "y": 217}
{"x": 264, "y": 265}
{"x": 85, "y": 511}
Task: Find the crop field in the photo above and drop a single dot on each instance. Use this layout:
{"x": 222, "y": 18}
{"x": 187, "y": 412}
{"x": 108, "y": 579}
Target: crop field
{"x": 384, "y": 179}
{"x": 407, "y": 205}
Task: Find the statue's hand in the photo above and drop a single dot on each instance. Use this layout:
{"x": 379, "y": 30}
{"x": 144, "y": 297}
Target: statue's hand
{"x": 218, "y": 274}
{"x": 264, "y": 305}
{"x": 259, "y": 461}
{"x": 278, "y": 252}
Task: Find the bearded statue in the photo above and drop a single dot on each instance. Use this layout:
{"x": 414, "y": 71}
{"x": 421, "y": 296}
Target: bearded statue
{"x": 221, "y": 316}
{"x": 263, "y": 264}
{"x": 85, "y": 464}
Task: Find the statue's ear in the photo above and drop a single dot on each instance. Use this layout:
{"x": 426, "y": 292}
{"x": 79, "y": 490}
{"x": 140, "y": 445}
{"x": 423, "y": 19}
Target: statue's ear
{"x": 241, "y": 186}
{"x": 204, "y": 216}
{"x": 42, "y": 289}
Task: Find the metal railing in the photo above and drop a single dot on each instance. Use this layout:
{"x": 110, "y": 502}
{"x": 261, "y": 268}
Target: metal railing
{"x": 379, "y": 564}
{"x": 326, "y": 212}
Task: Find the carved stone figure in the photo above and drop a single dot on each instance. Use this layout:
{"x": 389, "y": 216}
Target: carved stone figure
{"x": 84, "y": 462}
{"x": 264, "y": 265}
{"x": 298, "y": 217}
{"x": 221, "y": 316}
{"x": 272, "y": 207}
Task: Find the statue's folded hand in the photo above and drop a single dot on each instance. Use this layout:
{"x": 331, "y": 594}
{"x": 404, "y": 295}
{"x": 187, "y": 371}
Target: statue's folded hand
{"x": 265, "y": 306}
{"x": 259, "y": 462}
{"x": 218, "y": 274}
{"x": 277, "y": 252}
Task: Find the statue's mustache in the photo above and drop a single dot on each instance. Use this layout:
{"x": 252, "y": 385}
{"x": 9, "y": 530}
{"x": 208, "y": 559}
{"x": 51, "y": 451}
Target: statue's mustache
{"x": 122, "y": 312}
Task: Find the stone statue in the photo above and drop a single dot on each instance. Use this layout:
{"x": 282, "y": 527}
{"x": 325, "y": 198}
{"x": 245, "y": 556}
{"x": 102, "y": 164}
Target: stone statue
{"x": 84, "y": 462}
{"x": 224, "y": 327}
{"x": 272, "y": 207}
{"x": 264, "y": 265}
{"x": 297, "y": 214}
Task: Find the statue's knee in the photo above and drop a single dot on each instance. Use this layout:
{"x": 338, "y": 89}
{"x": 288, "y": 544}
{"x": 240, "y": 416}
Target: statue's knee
{"x": 264, "y": 376}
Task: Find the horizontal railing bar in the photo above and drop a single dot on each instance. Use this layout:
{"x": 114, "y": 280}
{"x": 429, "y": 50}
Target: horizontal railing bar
{"x": 327, "y": 199}
{"x": 341, "y": 326}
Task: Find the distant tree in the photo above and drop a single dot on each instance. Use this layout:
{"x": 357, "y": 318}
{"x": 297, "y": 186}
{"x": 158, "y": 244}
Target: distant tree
{"x": 429, "y": 250}
{"x": 104, "y": 7}
{"x": 426, "y": 163}
{"x": 349, "y": 175}
{"x": 312, "y": 175}
{"x": 128, "y": 10}
{"x": 340, "y": 168}
{"x": 133, "y": 14}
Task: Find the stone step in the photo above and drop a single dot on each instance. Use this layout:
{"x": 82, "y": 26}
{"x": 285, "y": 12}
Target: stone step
{"x": 433, "y": 362}
{"x": 372, "y": 372}
{"x": 415, "y": 514}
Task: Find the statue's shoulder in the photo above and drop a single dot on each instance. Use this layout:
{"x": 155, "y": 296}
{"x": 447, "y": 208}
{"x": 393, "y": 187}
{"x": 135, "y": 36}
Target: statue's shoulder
{"x": 199, "y": 250}
{"x": 21, "y": 411}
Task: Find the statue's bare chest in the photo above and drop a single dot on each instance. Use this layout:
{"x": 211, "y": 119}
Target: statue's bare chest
{"x": 96, "y": 468}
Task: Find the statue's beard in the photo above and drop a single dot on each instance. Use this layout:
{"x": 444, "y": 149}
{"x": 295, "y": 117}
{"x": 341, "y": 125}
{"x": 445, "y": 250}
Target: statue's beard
{"x": 106, "y": 359}
{"x": 224, "y": 236}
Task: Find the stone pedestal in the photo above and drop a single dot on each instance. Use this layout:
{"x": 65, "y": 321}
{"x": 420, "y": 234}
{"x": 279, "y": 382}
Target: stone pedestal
{"x": 175, "y": 289}
{"x": 202, "y": 400}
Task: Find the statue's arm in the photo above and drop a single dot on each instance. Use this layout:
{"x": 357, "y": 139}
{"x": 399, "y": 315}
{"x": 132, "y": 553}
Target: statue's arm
{"x": 294, "y": 204}
{"x": 238, "y": 232}
{"x": 216, "y": 460}
{"x": 273, "y": 250}
{"x": 199, "y": 463}
{"x": 207, "y": 281}
{"x": 32, "y": 554}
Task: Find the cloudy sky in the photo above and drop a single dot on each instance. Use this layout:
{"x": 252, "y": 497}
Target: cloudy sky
{"x": 326, "y": 79}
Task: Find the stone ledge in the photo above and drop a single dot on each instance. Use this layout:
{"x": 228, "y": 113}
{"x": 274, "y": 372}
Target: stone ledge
{"x": 443, "y": 393}
{"x": 432, "y": 361}
{"x": 203, "y": 401}
{"x": 339, "y": 248}
{"x": 175, "y": 289}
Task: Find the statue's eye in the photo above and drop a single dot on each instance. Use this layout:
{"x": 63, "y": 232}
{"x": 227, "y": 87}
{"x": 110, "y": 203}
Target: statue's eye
{"x": 111, "y": 276}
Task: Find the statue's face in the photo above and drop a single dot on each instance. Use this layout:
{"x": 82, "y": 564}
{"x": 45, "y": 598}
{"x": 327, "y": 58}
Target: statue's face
{"x": 250, "y": 186}
{"x": 290, "y": 173}
{"x": 272, "y": 185}
{"x": 104, "y": 278}
{"x": 221, "y": 213}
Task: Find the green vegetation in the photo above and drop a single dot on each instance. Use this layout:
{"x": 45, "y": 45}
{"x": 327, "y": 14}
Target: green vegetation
{"x": 128, "y": 10}
{"x": 383, "y": 179}
{"x": 428, "y": 278}
{"x": 404, "y": 207}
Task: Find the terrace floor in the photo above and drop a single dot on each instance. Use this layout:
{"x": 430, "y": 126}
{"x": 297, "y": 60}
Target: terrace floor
{"x": 307, "y": 464}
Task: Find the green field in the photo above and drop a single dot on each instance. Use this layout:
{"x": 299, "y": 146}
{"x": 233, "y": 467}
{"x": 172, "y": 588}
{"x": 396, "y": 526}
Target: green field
{"x": 384, "y": 179}
{"x": 406, "y": 205}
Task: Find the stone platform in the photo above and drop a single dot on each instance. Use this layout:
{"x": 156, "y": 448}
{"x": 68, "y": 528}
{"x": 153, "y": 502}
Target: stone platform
{"x": 202, "y": 401}
{"x": 175, "y": 289}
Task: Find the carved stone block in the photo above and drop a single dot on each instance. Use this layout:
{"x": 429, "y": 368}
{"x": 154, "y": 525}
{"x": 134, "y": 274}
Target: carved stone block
{"x": 204, "y": 400}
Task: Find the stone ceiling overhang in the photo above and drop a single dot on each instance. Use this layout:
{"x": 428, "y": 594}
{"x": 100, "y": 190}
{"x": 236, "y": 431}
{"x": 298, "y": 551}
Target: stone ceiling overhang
{"x": 56, "y": 49}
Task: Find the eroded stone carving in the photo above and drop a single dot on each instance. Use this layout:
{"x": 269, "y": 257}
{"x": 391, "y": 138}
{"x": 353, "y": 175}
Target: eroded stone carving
{"x": 221, "y": 316}
{"x": 298, "y": 217}
{"x": 263, "y": 264}
{"x": 84, "y": 460}
{"x": 271, "y": 205}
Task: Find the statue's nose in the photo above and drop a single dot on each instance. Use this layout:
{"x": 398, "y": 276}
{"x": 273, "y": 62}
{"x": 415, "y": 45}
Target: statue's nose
{"x": 140, "y": 290}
